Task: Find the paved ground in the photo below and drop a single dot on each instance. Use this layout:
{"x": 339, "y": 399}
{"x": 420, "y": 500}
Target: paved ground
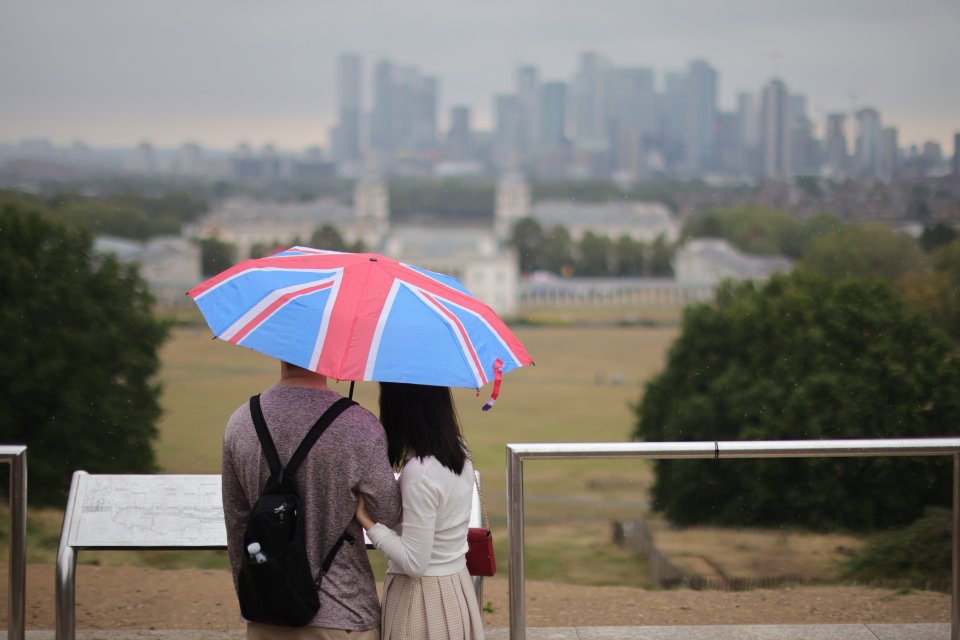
{"x": 930, "y": 631}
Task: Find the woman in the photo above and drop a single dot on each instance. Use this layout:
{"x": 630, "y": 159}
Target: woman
{"x": 428, "y": 593}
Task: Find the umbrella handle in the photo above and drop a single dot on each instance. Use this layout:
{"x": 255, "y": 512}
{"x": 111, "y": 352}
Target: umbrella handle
{"x": 351, "y": 389}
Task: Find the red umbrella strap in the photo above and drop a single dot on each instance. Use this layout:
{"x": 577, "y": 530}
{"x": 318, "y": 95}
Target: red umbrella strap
{"x": 497, "y": 379}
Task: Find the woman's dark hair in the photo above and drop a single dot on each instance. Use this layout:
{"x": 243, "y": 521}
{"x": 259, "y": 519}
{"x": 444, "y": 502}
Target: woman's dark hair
{"x": 422, "y": 420}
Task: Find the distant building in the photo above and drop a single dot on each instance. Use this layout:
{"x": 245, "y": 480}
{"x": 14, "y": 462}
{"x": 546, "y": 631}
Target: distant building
{"x": 476, "y": 256}
{"x": 512, "y": 203}
{"x": 642, "y": 221}
{"x": 701, "y": 139}
{"x": 244, "y": 222}
{"x": 866, "y": 154}
{"x": 473, "y": 255}
{"x": 956, "y": 154}
{"x": 144, "y": 160}
{"x": 748, "y": 134}
{"x": 591, "y": 104}
{"x": 836, "y": 153}
{"x": 404, "y": 116}
{"x": 346, "y": 141}
{"x": 246, "y": 166}
{"x": 460, "y": 134}
{"x": 169, "y": 264}
{"x": 553, "y": 117}
{"x": 543, "y": 290}
{"x": 709, "y": 261}
{"x": 776, "y": 132}
{"x": 888, "y": 155}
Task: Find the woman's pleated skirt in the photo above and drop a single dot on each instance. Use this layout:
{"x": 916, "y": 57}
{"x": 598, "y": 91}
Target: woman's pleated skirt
{"x": 430, "y": 608}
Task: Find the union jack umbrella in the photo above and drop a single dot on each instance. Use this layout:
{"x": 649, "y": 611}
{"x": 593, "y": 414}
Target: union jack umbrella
{"x": 360, "y": 316}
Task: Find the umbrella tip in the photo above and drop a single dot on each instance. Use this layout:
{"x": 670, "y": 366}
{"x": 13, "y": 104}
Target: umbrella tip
{"x": 372, "y": 259}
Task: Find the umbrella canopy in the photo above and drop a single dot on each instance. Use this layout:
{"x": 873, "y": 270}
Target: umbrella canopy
{"x": 360, "y": 316}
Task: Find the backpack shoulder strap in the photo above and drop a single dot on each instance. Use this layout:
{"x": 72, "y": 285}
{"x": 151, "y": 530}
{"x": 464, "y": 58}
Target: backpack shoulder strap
{"x": 315, "y": 432}
{"x": 266, "y": 442}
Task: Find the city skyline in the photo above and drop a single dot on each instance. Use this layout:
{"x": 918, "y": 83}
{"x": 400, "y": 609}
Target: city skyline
{"x": 110, "y": 73}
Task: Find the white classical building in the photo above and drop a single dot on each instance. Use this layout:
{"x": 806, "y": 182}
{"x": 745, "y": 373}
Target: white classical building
{"x": 473, "y": 255}
{"x": 710, "y": 260}
{"x": 169, "y": 264}
{"x": 639, "y": 220}
{"x": 245, "y": 222}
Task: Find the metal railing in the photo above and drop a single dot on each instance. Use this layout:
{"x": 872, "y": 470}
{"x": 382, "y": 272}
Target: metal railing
{"x": 16, "y": 455}
{"x": 517, "y": 453}
{"x": 158, "y": 511}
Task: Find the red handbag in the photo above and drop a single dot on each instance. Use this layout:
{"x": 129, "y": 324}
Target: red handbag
{"x": 480, "y": 560}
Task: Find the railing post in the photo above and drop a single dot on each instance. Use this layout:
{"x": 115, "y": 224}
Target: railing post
{"x": 16, "y": 602}
{"x": 955, "y": 586}
{"x": 66, "y": 578}
{"x": 515, "y": 541}
{"x": 517, "y": 453}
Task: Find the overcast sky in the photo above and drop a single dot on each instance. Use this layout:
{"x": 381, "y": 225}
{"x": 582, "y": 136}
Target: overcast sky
{"x": 218, "y": 72}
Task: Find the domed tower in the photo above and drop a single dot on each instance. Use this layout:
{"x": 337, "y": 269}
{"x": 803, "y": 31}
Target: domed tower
{"x": 513, "y": 202}
{"x": 371, "y": 208}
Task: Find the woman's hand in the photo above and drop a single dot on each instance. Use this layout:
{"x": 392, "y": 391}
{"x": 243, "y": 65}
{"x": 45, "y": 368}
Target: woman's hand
{"x": 362, "y": 516}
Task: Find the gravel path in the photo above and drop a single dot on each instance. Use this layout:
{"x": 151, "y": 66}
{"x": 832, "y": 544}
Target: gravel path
{"x": 139, "y": 598}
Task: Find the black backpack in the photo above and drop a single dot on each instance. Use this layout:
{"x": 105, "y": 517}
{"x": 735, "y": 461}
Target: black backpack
{"x": 277, "y": 587}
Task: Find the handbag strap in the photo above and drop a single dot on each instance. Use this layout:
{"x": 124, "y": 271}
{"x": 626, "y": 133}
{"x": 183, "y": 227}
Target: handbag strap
{"x": 483, "y": 507}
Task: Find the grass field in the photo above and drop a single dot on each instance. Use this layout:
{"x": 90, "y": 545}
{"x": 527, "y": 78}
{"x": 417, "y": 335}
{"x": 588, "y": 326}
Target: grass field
{"x": 582, "y": 389}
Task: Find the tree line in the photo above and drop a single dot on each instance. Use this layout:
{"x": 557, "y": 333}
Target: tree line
{"x": 125, "y": 214}
{"x": 860, "y": 340}
{"x": 594, "y": 256}
{"x": 81, "y": 353}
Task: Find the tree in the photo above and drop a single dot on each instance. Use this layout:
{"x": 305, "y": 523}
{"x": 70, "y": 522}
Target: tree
{"x": 864, "y": 251}
{"x": 80, "y": 355}
{"x": 754, "y": 230}
{"x": 803, "y": 357}
{"x": 215, "y": 256}
{"x": 936, "y": 236}
{"x": 557, "y": 251}
{"x": 596, "y": 256}
{"x": 920, "y": 552}
{"x": 527, "y": 238}
{"x": 451, "y": 199}
{"x": 328, "y": 237}
{"x": 760, "y": 230}
{"x": 630, "y": 257}
{"x": 661, "y": 257}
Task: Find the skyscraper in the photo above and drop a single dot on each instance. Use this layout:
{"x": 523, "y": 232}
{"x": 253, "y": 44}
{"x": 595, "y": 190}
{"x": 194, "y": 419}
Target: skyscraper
{"x": 868, "y": 143}
{"x": 591, "y": 105}
{"x": 635, "y": 100}
{"x": 836, "y": 154}
{"x": 528, "y": 106}
{"x": 956, "y": 154}
{"x": 460, "y": 135}
{"x": 404, "y": 115}
{"x": 674, "y": 111}
{"x": 346, "y": 139}
{"x": 701, "y": 117}
{"x": 775, "y": 131}
{"x": 888, "y": 155}
{"x": 748, "y": 133}
{"x": 805, "y": 150}
{"x": 553, "y": 116}
{"x": 381, "y": 118}
{"x": 507, "y": 123}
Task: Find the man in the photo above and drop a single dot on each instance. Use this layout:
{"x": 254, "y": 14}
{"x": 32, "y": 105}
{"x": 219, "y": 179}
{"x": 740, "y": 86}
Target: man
{"x": 349, "y": 459}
